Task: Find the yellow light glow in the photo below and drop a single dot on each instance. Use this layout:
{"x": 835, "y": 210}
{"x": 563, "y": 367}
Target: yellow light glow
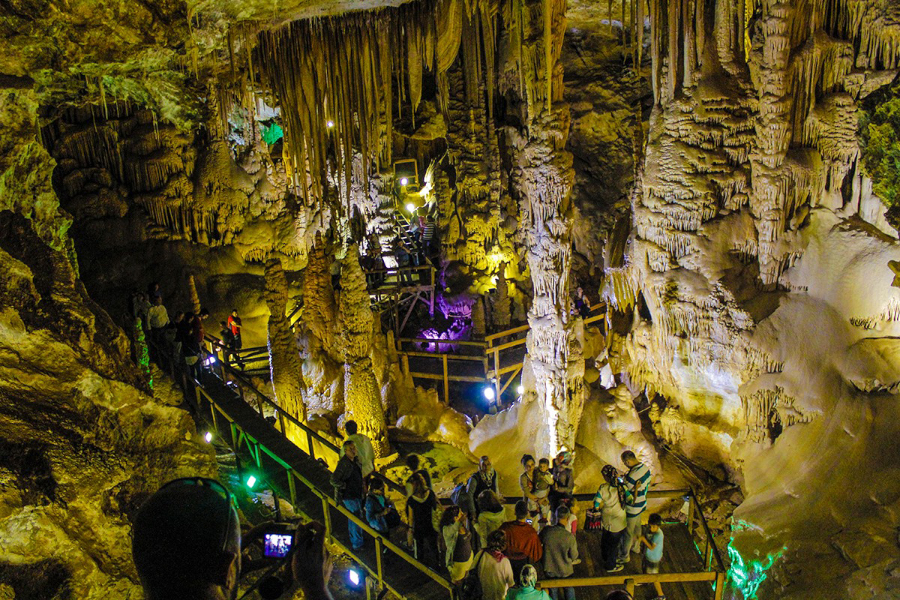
{"x": 404, "y": 181}
{"x": 410, "y": 207}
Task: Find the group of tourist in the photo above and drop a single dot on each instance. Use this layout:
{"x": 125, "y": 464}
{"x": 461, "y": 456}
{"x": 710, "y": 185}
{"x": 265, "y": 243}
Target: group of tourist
{"x": 182, "y": 337}
{"x": 477, "y": 541}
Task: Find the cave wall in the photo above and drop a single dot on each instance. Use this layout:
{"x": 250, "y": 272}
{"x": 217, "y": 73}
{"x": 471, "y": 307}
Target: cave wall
{"x": 760, "y": 285}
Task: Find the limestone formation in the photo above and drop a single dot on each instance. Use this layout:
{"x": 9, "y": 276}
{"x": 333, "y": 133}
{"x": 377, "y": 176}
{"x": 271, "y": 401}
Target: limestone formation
{"x": 362, "y": 400}
{"x": 284, "y": 357}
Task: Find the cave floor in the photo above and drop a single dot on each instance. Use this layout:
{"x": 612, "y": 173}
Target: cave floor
{"x": 679, "y": 556}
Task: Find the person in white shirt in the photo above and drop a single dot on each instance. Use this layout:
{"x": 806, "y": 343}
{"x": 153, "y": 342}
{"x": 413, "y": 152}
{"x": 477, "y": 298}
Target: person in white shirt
{"x": 610, "y": 500}
{"x": 493, "y": 568}
{"x": 158, "y": 320}
{"x": 363, "y": 448}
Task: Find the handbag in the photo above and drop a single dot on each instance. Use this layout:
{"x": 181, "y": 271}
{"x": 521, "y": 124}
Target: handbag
{"x": 593, "y": 520}
{"x": 471, "y": 586}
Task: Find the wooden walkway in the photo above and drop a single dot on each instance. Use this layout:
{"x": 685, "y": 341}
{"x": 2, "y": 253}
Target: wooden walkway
{"x": 236, "y": 412}
{"x": 293, "y": 474}
{"x": 679, "y": 556}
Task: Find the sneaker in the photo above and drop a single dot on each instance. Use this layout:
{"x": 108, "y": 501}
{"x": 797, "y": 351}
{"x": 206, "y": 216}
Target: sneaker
{"x": 617, "y": 568}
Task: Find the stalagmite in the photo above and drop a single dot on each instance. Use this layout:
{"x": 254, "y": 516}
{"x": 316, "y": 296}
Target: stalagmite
{"x": 362, "y": 400}
{"x": 543, "y": 178}
{"x": 195, "y": 298}
{"x": 284, "y": 358}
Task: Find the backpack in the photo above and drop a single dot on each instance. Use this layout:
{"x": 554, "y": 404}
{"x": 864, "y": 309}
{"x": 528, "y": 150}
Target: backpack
{"x": 471, "y": 586}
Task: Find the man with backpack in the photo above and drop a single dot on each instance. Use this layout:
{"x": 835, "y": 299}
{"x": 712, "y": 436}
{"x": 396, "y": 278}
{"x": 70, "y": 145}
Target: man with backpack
{"x": 636, "y": 483}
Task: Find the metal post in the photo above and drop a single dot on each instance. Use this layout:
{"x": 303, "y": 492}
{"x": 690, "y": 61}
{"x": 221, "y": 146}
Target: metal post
{"x": 629, "y": 586}
{"x": 327, "y": 517}
{"x": 309, "y": 443}
{"x": 446, "y": 380}
{"x": 720, "y": 586}
{"x": 497, "y": 374}
{"x": 378, "y": 562}
{"x": 281, "y": 423}
{"x": 292, "y": 487}
{"x": 690, "y": 515}
{"x": 707, "y": 561}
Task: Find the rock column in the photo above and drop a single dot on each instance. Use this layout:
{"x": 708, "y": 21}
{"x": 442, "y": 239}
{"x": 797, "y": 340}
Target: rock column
{"x": 284, "y": 358}
{"x": 362, "y": 399}
{"x": 542, "y": 178}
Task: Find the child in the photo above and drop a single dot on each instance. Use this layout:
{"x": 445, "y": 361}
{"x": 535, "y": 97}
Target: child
{"x": 653, "y": 540}
{"x": 543, "y": 479}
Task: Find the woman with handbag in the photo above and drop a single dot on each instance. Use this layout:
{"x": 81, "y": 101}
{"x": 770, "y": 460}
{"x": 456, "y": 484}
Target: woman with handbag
{"x": 457, "y": 544}
{"x": 610, "y": 500}
{"x": 493, "y": 568}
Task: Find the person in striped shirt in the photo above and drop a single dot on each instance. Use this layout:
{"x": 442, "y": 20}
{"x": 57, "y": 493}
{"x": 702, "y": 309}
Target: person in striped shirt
{"x": 636, "y": 483}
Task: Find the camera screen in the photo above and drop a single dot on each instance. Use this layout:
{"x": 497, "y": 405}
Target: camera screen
{"x": 277, "y": 545}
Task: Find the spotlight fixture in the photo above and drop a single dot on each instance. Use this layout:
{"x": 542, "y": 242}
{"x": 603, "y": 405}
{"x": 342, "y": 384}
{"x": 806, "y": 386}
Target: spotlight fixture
{"x": 404, "y": 181}
{"x": 329, "y": 124}
{"x": 208, "y": 437}
{"x": 251, "y": 481}
{"x": 356, "y": 577}
{"x": 489, "y": 394}
{"x": 520, "y": 390}
{"x": 410, "y": 207}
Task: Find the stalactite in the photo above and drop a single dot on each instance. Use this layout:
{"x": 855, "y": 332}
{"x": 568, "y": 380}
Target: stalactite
{"x": 318, "y": 295}
{"x": 284, "y": 357}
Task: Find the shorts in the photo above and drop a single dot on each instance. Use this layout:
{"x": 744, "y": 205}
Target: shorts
{"x": 650, "y": 567}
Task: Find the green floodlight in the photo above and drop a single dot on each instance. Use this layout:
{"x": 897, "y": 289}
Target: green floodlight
{"x": 251, "y": 481}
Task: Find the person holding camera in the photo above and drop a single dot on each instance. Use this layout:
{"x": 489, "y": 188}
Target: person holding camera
{"x": 523, "y": 544}
{"x": 610, "y": 500}
{"x": 380, "y": 512}
{"x": 186, "y": 545}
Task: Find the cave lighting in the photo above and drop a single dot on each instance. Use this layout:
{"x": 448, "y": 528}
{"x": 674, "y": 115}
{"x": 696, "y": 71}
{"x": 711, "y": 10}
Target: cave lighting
{"x": 251, "y": 481}
{"x": 355, "y": 577}
{"x": 404, "y": 181}
{"x": 520, "y": 390}
{"x": 209, "y": 360}
{"x": 410, "y": 206}
{"x": 329, "y": 124}
{"x": 489, "y": 394}
{"x": 208, "y": 437}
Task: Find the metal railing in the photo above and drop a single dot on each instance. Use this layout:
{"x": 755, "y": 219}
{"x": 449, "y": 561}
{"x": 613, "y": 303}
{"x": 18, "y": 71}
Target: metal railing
{"x": 714, "y": 567}
{"x": 231, "y": 431}
{"x": 492, "y": 353}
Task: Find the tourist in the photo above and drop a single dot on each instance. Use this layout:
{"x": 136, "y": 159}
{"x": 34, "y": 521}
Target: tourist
{"x": 141, "y": 309}
{"x": 653, "y": 551}
{"x": 364, "y": 448}
{"x": 347, "y": 480}
{"x": 420, "y": 506}
{"x": 186, "y": 543}
{"x": 526, "y": 482}
{"x": 413, "y": 462}
{"x": 158, "y": 320}
{"x": 457, "y": 543}
{"x": 225, "y": 342}
{"x": 560, "y": 553}
{"x": 461, "y": 497}
{"x": 563, "y": 480}
{"x": 637, "y": 482}
{"x": 610, "y": 500}
{"x": 485, "y": 478}
{"x": 581, "y": 303}
{"x": 236, "y": 327}
{"x": 153, "y": 292}
{"x": 380, "y": 512}
{"x": 542, "y": 481}
{"x": 493, "y": 568}
{"x": 490, "y": 514}
{"x": 523, "y": 544}
{"x": 526, "y": 589}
